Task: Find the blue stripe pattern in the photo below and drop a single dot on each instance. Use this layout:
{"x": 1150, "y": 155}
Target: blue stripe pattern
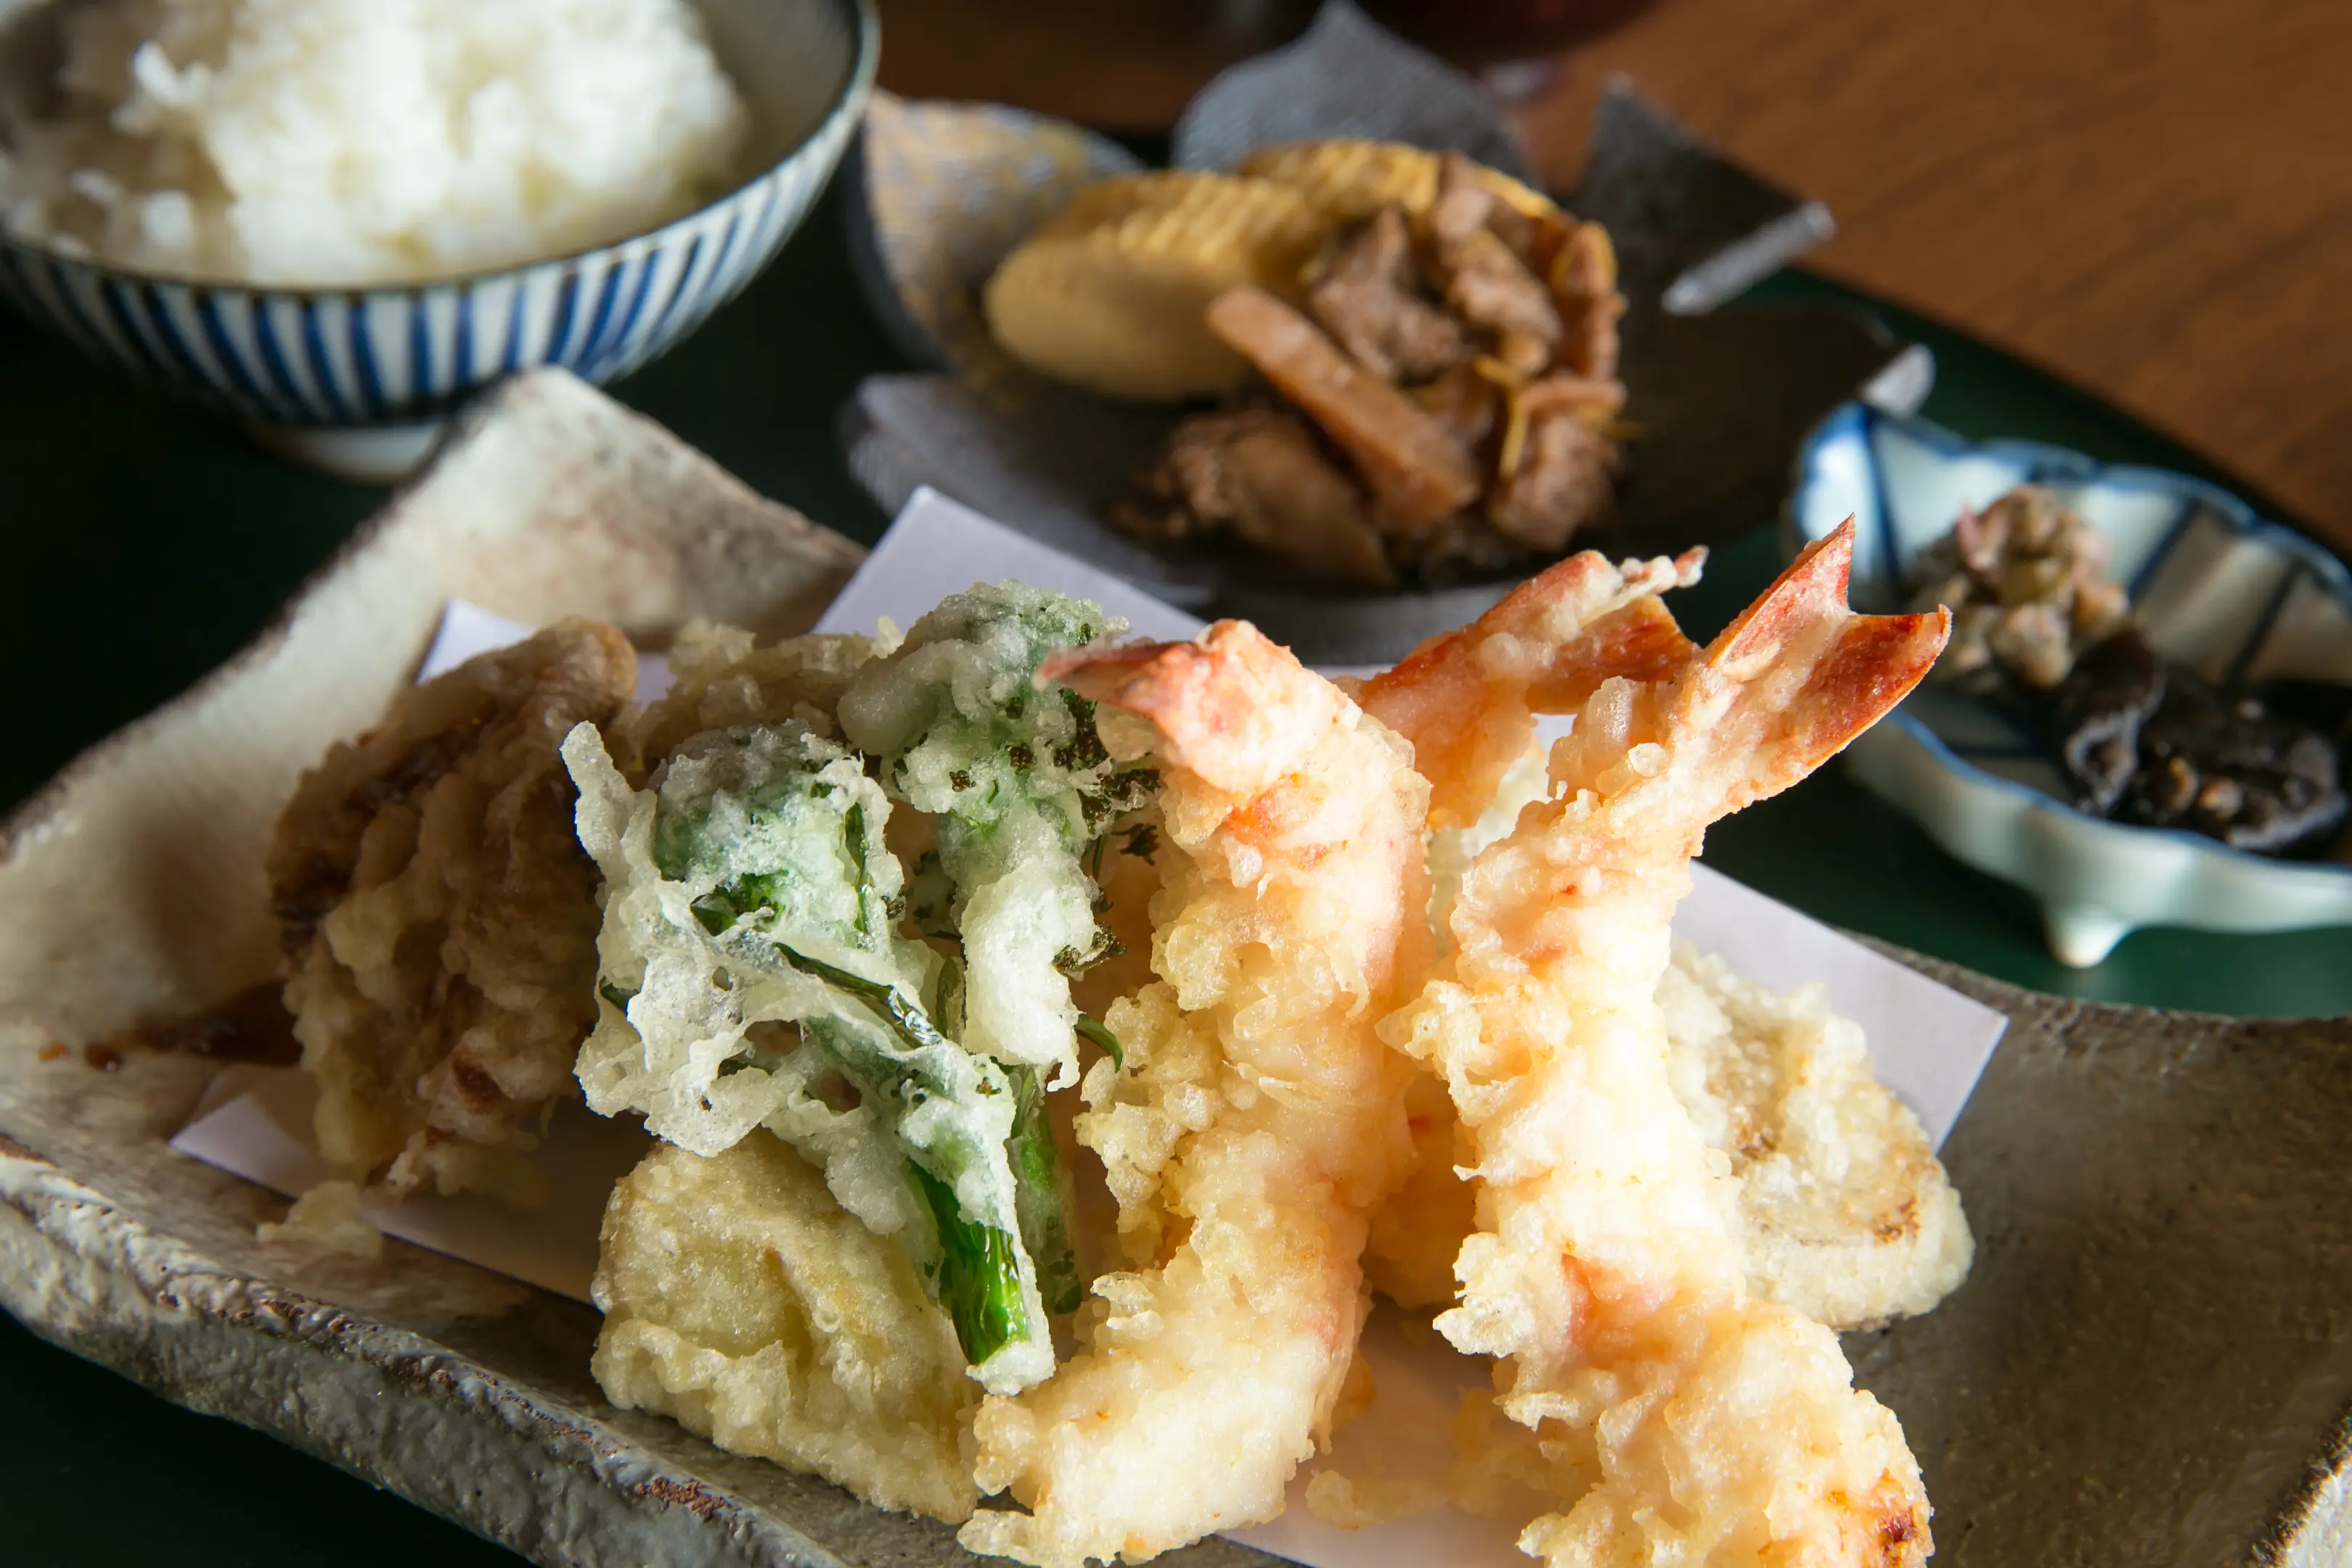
{"x": 607, "y": 311}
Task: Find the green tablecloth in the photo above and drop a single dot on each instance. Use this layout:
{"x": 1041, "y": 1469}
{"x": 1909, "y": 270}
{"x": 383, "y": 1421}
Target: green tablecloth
{"x": 151, "y": 544}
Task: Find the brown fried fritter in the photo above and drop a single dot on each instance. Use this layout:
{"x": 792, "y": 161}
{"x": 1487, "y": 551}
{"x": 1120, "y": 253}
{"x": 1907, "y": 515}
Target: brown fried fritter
{"x": 439, "y": 916}
{"x": 721, "y": 679}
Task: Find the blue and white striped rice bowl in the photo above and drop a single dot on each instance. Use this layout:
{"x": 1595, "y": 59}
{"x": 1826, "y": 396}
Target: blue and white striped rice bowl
{"x": 2219, "y": 590}
{"x": 359, "y": 381}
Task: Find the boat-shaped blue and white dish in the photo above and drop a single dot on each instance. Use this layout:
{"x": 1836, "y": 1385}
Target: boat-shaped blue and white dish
{"x": 2218, "y": 589}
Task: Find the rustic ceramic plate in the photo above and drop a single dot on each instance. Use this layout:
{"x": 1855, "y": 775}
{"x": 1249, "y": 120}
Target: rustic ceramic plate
{"x": 2151, "y": 1363}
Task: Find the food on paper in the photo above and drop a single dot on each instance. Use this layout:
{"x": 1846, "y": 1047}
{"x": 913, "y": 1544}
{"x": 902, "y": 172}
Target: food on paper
{"x": 1018, "y": 787}
{"x": 1692, "y": 1419}
{"x": 741, "y": 1299}
{"x": 1053, "y": 1041}
{"x": 2038, "y": 630}
{"x": 1109, "y": 294}
{"x": 1352, "y": 177}
{"x": 764, "y": 959}
{"x": 1417, "y": 354}
{"x": 347, "y": 142}
{"x": 1258, "y": 1120}
{"x": 439, "y": 917}
{"x": 1453, "y": 363}
{"x": 1845, "y": 1214}
{"x": 328, "y": 1218}
{"x": 719, "y": 680}
{"x": 1844, "y": 1211}
{"x": 1416, "y": 473}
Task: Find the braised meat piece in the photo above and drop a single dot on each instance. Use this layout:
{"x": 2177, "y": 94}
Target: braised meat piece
{"x": 1489, "y": 286}
{"x": 1467, "y": 200}
{"x": 1583, "y": 278}
{"x": 1466, "y": 404}
{"x": 1262, "y": 472}
{"x": 1559, "y": 483}
{"x": 1364, "y": 294}
{"x": 1415, "y": 470}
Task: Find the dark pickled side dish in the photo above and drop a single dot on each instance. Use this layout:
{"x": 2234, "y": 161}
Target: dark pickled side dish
{"x": 2038, "y": 632}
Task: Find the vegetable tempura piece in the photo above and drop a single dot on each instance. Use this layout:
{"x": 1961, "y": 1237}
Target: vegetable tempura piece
{"x": 741, "y": 1301}
{"x": 1259, "y": 1119}
{"x": 1021, "y": 787}
{"x": 753, "y": 976}
{"x": 439, "y": 920}
{"x": 1845, "y": 1214}
{"x": 1844, "y": 1211}
{"x": 1716, "y": 1429}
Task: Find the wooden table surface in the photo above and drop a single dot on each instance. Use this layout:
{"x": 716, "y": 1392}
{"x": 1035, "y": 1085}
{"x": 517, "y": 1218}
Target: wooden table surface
{"x": 2151, "y": 198}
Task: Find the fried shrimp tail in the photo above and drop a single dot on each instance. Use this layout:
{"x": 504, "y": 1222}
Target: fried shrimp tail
{"x": 1467, "y": 699}
{"x": 1606, "y": 1274}
{"x": 1258, "y": 1120}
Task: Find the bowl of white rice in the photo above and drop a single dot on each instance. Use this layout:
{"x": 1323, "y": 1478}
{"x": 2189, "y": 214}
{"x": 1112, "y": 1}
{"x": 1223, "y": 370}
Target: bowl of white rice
{"x": 335, "y": 220}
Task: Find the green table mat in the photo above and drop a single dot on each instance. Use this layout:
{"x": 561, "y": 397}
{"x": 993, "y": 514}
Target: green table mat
{"x": 151, "y": 543}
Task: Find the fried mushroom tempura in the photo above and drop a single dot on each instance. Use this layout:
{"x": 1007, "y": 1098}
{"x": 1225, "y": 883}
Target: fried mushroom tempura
{"x": 721, "y": 679}
{"x": 1688, "y": 1421}
{"x": 439, "y": 917}
{"x": 1259, "y": 1119}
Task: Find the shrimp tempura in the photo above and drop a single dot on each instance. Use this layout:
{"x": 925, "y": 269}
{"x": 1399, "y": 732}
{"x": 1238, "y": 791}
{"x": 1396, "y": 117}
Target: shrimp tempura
{"x": 1691, "y": 1424}
{"x": 1258, "y": 1121}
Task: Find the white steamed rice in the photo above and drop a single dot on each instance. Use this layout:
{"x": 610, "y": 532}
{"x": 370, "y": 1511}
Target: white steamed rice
{"x": 345, "y": 143}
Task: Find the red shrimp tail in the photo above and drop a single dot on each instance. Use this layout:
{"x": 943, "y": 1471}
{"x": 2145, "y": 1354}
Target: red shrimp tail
{"x": 1858, "y": 668}
{"x": 1639, "y": 642}
{"x": 1579, "y": 623}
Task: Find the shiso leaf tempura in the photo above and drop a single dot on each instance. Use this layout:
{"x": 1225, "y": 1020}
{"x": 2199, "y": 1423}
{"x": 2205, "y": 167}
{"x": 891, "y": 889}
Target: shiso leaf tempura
{"x": 753, "y": 975}
{"x": 1022, "y": 791}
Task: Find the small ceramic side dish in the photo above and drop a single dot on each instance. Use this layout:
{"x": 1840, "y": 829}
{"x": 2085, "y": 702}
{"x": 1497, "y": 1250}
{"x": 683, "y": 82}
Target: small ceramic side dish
{"x": 360, "y": 381}
{"x": 944, "y": 190}
{"x": 2218, "y": 590}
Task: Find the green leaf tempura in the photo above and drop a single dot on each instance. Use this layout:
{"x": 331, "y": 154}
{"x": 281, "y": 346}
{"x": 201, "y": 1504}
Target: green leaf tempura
{"x": 750, "y": 926}
{"x": 1022, "y": 790}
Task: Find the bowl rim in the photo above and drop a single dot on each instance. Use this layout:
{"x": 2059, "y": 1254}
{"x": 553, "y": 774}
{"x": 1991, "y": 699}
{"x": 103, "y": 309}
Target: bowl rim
{"x": 2047, "y": 460}
{"x": 847, "y": 102}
